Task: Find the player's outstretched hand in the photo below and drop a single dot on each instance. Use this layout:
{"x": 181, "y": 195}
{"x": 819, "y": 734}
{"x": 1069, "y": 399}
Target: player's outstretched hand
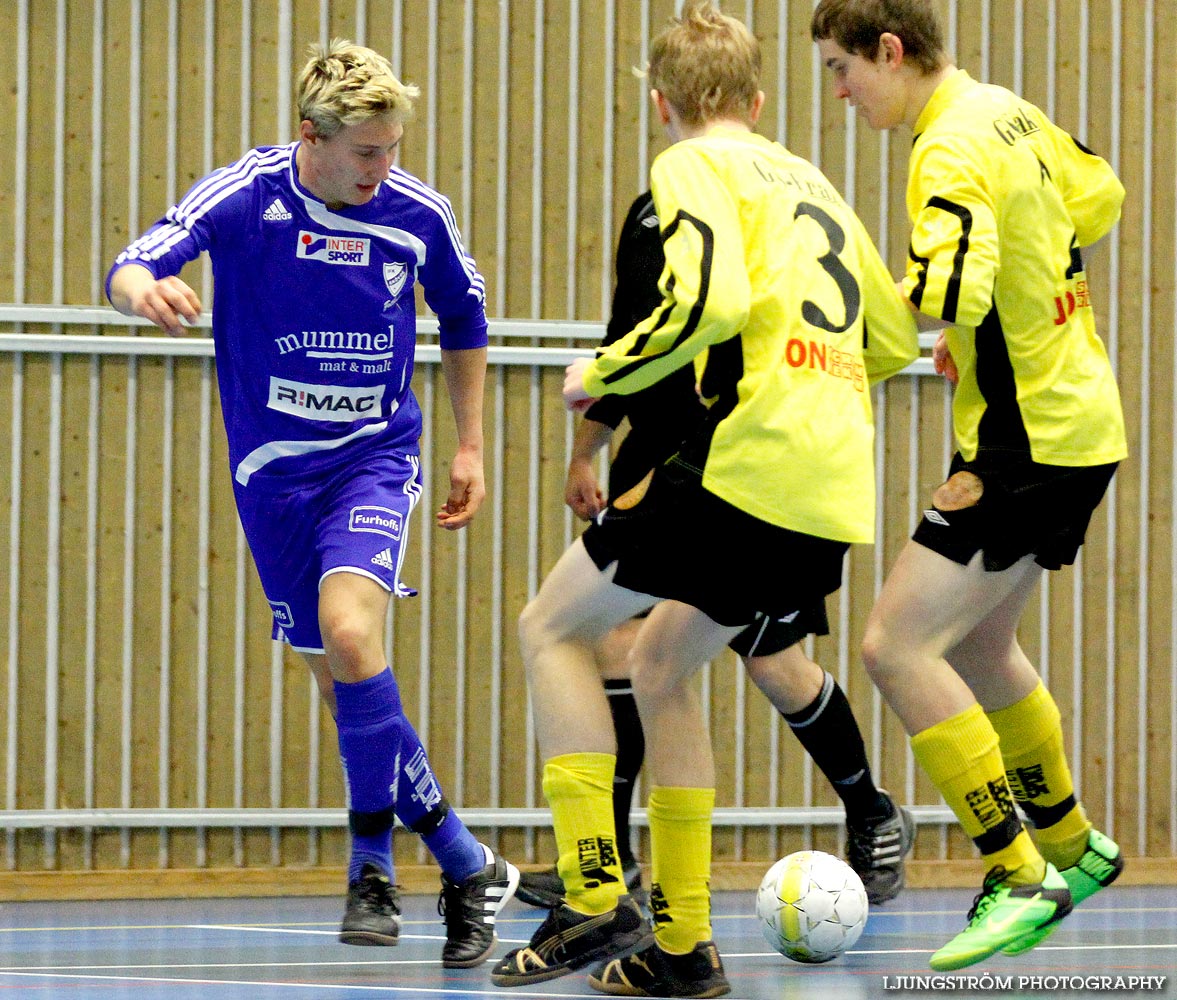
{"x": 467, "y": 491}
{"x": 169, "y": 303}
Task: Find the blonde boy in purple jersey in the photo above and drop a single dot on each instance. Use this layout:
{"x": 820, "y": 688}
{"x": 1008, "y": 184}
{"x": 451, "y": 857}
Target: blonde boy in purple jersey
{"x": 1002, "y": 203}
{"x": 316, "y": 248}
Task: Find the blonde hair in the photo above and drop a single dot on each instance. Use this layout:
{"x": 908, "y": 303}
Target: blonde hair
{"x": 706, "y": 64}
{"x": 344, "y": 83}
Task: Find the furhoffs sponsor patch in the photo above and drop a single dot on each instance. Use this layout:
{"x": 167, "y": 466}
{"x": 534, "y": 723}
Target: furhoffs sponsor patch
{"x": 379, "y": 520}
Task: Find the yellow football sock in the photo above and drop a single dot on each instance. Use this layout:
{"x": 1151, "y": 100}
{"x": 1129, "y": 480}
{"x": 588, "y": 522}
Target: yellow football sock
{"x": 961, "y": 756}
{"x": 1031, "y": 736}
{"x": 680, "y": 849}
{"x": 579, "y": 788}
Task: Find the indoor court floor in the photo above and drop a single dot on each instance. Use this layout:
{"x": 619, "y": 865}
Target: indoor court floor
{"x": 285, "y": 949}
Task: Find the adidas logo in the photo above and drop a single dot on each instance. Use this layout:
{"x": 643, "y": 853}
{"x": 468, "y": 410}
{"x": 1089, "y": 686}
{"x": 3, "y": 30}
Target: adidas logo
{"x": 493, "y": 902}
{"x": 276, "y": 212}
{"x": 383, "y": 558}
{"x": 887, "y": 848}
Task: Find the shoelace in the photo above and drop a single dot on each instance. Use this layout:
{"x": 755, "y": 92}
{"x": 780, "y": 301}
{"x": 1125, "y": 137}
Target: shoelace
{"x": 863, "y": 846}
{"x": 375, "y": 891}
{"x": 988, "y": 895}
{"x": 444, "y": 909}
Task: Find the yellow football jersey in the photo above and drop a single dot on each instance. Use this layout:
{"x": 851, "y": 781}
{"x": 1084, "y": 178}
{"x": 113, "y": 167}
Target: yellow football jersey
{"x": 1001, "y": 202}
{"x": 772, "y": 278}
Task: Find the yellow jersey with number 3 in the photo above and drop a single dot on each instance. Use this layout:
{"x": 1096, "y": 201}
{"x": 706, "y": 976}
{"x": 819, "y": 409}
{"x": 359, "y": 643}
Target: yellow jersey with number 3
{"x": 772, "y": 281}
{"x": 1001, "y": 202}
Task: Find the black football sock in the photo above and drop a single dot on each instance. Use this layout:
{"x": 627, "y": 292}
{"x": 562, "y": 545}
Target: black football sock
{"x": 829, "y": 732}
{"x": 631, "y": 751}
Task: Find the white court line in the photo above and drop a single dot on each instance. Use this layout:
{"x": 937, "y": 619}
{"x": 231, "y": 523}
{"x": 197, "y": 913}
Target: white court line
{"x": 212, "y": 965}
{"x": 310, "y": 928}
{"x": 180, "y": 927}
{"x": 1107, "y": 947}
{"x": 873, "y": 912}
{"x": 30, "y": 969}
{"x": 260, "y": 929}
{"x": 34, "y": 972}
{"x": 411, "y": 990}
{"x": 928, "y": 951}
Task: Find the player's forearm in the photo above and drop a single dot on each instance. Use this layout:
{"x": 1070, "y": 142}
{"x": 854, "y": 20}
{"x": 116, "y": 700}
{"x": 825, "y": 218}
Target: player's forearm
{"x": 465, "y": 378}
{"x": 589, "y": 438}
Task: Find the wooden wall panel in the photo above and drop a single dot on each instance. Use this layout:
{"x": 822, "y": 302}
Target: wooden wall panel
{"x": 541, "y": 139}
{"x": 1160, "y": 823}
{"x": 11, "y": 288}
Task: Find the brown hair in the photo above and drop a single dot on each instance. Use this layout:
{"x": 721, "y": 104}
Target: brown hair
{"x": 856, "y": 26}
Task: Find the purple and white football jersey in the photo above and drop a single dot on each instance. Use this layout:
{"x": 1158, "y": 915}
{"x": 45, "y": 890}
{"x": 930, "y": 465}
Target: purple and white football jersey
{"x": 315, "y": 318}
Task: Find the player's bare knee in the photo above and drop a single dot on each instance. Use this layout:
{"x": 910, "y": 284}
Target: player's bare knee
{"x": 963, "y": 489}
{"x": 871, "y": 653}
{"x": 532, "y": 628}
{"x": 648, "y": 687}
{"x": 345, "y": 637}
{"x": 879, "y": 649}
{"x": 655, "y": 681}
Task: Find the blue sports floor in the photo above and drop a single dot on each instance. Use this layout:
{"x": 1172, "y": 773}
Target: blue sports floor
{"x": 274, "y": 949}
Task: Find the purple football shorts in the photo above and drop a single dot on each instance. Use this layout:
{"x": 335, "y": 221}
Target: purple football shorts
{"x": 355, "y": 521}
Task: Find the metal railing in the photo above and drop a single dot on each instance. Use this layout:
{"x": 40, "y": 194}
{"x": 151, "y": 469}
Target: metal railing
{"x": 532, "y": 346}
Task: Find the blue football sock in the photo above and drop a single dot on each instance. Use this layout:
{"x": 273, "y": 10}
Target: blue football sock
{"x": 368, "y": 715}
{"x": 424, "y": 810}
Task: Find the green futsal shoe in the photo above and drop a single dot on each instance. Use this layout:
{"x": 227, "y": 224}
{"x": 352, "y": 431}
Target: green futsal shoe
{"x": 1098, "y": 868}
{"x": 1003, "y": 915}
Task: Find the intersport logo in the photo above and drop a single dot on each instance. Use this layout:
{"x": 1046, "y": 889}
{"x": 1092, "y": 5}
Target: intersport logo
{"x": 350, "y": 250}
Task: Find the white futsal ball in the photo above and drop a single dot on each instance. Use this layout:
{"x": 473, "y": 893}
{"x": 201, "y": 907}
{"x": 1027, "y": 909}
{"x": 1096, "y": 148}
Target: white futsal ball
{"x": 812, "y": 906}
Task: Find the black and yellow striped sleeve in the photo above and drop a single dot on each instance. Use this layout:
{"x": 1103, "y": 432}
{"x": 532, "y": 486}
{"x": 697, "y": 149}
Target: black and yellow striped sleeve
{"x": 953, "y": 258}
{"x": 705, "y": 286}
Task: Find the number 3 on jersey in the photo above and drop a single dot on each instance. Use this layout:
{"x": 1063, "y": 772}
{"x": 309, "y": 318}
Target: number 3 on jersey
{"x": 832, "y": 264}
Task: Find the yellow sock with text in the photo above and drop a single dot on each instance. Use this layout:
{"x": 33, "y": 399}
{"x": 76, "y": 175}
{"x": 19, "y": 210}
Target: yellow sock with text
{"x": 1031, "y": 736}
{"x": 961, "y": 756}
{"x": 579, "y": 788}
{"x": 680, "y": 848}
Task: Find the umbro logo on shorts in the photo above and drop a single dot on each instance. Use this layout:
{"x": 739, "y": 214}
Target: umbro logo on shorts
{"x": 383, "y": 558}
{"x": 276, "y": 212}
{"x": 936, "y": 517}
